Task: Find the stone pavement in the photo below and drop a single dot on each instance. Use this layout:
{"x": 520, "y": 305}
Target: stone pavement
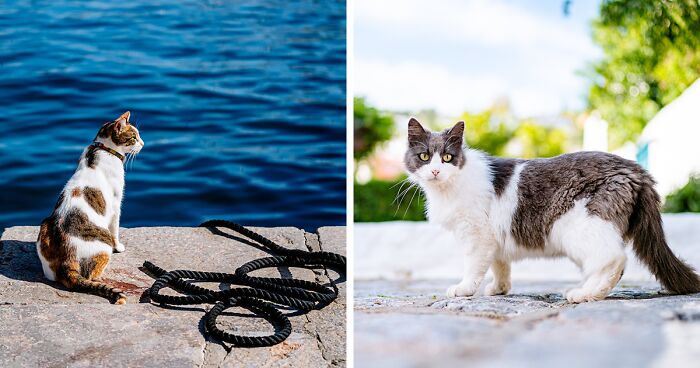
{"x": 46, "y": 325}
{"x": 402, "y": 318}
{"x": 411, "y": 324}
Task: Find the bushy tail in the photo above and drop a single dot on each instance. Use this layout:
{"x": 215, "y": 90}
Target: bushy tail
{"x": 649, "y": 243}
{"x": 73, "y": 279}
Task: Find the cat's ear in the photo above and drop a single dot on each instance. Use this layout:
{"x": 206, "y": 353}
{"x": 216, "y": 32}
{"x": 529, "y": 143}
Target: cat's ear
{"x": 120, "y": 122}
{"x": 415, "y": 130}
{"x": 457, "y": 131}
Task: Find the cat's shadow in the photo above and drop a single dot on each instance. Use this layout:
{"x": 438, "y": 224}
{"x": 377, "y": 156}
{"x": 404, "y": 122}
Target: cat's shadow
{"x": 19, "y": 261}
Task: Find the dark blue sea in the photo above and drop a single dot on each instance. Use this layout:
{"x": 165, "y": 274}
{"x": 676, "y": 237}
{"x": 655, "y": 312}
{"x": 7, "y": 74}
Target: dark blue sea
{"x": 241, "y": 105}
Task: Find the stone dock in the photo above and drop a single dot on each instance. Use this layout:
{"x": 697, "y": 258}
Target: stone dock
{"x": 403, "y": 319}
{"x": 45, "y": 325}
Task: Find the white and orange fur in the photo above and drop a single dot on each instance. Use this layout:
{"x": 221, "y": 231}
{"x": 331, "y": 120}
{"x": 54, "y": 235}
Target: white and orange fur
{"x": 108, "y": 177}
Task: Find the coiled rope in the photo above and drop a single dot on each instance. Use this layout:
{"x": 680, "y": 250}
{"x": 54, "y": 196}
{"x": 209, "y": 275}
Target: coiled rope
{"x": 262, "y": 296}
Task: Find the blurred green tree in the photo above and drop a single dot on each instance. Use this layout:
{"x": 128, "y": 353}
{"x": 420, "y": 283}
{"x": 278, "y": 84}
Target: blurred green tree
{"x": 651, "y": 54}
{"x": 685, "y": 199}
{"x": 371, "y": 128}
{"x": 540, "y": 141}
{"x": 487, "y": 131}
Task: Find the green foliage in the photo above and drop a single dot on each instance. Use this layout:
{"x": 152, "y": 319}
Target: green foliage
{"x": 487, "y": 131}
{"x": 373, "y": 202}
{"x": 652, "y": 53}
{"x": 540, "y": 141}
{"x": 371, "y": 128}
{"x": 686, "y": 199}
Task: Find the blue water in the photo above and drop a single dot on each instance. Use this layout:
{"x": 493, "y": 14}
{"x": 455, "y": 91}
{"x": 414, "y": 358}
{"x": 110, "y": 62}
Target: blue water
{"x": 241, "y": 105}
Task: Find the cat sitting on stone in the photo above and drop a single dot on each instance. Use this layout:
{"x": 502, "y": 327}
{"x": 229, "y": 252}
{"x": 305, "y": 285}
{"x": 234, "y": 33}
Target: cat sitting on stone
{"x": 75, "y": 243}
{"x": 585, "y": 206}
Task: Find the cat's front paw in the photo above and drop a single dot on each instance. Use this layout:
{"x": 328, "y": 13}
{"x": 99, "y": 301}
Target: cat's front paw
{"x": 119, "y": 247}
{"x": 579, "y": 295}
{"x": 497, "y": 288}
{"x": 461, "y": 289}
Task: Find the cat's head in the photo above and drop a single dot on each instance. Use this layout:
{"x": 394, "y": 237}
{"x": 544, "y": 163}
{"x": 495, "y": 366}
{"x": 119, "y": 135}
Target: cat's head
{"x": 433, "y": 158}
{"x": 120, "y": 135}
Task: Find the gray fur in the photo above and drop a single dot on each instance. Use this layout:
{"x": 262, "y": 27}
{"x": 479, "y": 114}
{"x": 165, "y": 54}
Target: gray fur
{"x": 616, "y": 190}
{"x": 421, "y": 141}
{"x": 501, "y": 170}
{"x": 548, "y": 188}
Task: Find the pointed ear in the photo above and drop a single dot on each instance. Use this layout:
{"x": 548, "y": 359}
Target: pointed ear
{"x": 415, "y": 130}
{"x": 457, "y": 131}
{"x": 120, "y": 122}
{"x": 124, "y": 116}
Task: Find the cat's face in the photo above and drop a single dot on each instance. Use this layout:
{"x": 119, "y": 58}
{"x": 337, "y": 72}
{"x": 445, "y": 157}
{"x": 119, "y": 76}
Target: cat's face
{"x": 120, "y": 135}
{"x": 433, "y": 158}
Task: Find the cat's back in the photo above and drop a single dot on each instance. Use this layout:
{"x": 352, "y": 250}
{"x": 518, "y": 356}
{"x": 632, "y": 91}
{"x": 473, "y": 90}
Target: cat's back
{"x": 547, "y": 188}
{"x": 580, "y": 175}
{"x": 585, "y": 164}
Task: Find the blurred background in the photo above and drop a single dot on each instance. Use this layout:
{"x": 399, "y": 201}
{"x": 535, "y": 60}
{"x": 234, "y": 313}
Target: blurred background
{"x": 530, "y": 79}
{"x": 241, "y": 105}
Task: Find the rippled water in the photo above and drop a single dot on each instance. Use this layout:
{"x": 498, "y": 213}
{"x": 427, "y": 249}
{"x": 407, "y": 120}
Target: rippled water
{"x": 241, "y": 105}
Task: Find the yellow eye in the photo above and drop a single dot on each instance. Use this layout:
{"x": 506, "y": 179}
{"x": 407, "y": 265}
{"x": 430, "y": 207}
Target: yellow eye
{"x": 424, "y": 156}
{"x": 446, "y": 157}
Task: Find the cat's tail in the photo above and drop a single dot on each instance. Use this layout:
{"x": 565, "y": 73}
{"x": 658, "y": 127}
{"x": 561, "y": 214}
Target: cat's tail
{"x": 649, "y": 243}
{"x": 73, "y": 279}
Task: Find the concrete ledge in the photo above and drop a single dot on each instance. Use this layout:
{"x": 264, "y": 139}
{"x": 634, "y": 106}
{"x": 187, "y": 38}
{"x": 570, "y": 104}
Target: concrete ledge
{"x": 44, "y": 325}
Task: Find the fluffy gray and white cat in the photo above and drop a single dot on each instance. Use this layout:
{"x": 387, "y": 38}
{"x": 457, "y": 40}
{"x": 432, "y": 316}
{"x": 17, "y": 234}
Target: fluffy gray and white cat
{"x": 585, "y": 206}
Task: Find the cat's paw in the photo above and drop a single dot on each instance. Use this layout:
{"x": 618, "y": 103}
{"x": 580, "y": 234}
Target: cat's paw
{"x": 579, "y": 295}
{"x": 460, "y": 289}
{"x": 119, "y": 247}
{"x": 494, "y": 288}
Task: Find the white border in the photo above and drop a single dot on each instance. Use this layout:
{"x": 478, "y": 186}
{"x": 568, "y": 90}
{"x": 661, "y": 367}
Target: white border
{"x": 349, "y": 122}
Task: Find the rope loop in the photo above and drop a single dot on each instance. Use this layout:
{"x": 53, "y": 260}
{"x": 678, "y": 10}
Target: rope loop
{"x": 260, "y": 295}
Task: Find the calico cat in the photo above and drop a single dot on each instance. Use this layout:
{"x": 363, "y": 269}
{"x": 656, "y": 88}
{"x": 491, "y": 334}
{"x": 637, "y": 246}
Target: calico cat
{"x": 75, "y": 243}
{"x": 585, "y": 206}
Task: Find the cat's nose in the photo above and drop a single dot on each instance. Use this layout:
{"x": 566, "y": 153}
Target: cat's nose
{"x": 435, "y": 172}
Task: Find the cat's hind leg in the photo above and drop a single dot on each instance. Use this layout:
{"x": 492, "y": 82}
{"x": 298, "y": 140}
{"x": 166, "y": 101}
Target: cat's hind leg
{"x": 597, "y": 247}
{"x": 501, "y": 279}
{"x": 99, "y": 263}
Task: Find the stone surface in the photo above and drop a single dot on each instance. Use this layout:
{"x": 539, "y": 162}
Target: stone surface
{"x": 332, "y": 325}
{"x": 402, "y": 318}
{"x": 45, "y": 325}
{"x": 410, "y": 324}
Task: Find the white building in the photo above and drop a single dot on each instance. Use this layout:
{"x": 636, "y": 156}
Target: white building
{"x": 669, "y": 146}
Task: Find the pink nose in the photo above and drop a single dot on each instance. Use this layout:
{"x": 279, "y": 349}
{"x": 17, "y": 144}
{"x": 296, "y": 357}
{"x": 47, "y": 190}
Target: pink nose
{"x": 435, "y": 172}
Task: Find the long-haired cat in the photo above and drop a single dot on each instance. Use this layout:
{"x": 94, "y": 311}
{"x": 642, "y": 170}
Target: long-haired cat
{"x": 75, "y": 243}
{"x": 585, "y": 206}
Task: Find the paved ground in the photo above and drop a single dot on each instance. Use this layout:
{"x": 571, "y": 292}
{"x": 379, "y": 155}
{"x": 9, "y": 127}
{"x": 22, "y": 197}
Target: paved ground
{"x": 410, "y": 324}
{"x": 45, "y": 325}
{"x": 403, "y": 320}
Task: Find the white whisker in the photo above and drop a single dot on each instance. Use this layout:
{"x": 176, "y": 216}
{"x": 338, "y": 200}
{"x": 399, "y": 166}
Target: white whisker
{"x": 411, "y": 201}
{"x": 413, "y": 185}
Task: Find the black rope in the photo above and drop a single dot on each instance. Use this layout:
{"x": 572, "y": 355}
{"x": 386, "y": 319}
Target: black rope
{"x": 262, "y": 296}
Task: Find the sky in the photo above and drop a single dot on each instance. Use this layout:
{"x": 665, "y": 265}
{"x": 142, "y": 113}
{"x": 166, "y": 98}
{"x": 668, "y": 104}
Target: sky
{"x": 462, "y": 55}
